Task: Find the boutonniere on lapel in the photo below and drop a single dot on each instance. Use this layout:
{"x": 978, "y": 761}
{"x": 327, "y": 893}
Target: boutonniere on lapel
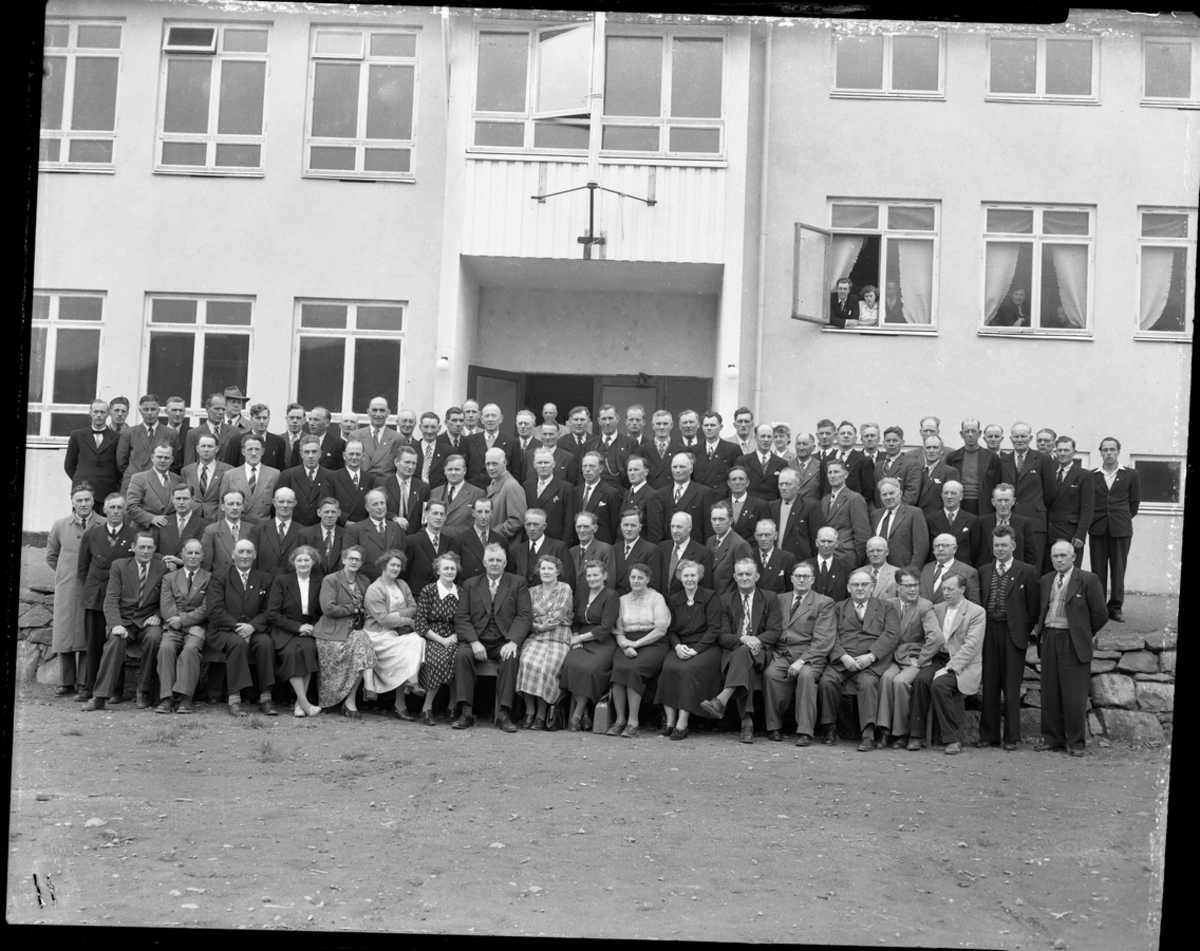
{"x": 262, "y": 591}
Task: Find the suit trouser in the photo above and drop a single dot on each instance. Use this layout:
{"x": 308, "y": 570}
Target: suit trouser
{"x": 112, "y": 660}
{"x": 95, "y": 629}
{"x": 739, "y": 674}
{"x": 462, "y": 690}
{"x": 778, "y": 690}
{"x": 949, "y": 704}
{"x": 1106, "y": 552}
{"x": 239, "y": 652}
{"x": 1066, "y": 682}
{"x": 895, "y": 697}
{"x": 1003, "y": 671}
{"x": 1038, "y": 541}
{"x": 863, "y": 683}
{"x": 179, "y": 661}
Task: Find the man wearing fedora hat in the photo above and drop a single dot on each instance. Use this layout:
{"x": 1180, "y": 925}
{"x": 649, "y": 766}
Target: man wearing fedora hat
{"x": 235, "y": 399}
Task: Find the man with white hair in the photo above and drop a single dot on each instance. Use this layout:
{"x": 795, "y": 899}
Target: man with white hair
{"x": 508, "y": 499}
{"x": 945, "y": 561}
{"x": 489, "y": 437}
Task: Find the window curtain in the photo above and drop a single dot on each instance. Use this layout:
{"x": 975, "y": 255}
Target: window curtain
{"x": 916, "y": 280}
{"x": 1070, "y": 269}
{"x": 846, "y": 249}
{"x": 1157, "y": 264}
{"x": 1001, "y": 266}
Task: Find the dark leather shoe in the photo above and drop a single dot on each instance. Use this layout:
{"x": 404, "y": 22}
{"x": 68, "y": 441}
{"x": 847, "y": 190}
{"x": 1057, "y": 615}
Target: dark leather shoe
{"x": 714, "y": 708}
{"x": 914, "y": 744}
{"x": 667, "y": 730}
{"x": 1044, "y": 747}
{"x": 165, "y": 706}
{"x": 539, "y": 723}
{"x": 865, "y": 744}
{"x": 830, "y": 736}
{"x": 64, "y": 691}
{"x": 427, "y": 718}
{"x": 953, "y": 749}
{"x": 267, "y": 708}
{"x": 83, "y": 695}
{"x": 899, "y": 742}
{"x": 1010, "y": 746}
{"x": 1077, "y": 751}
{"x": 678, "y": 734}
{"x": 775, "y": 736}
{"x": 527, "y": 723}
{"x": 574, "y": 726}
{"x": 399, "y": 712}
{"x": 885, "y": 738}
{"x": 803, "y": 739}
{"x": 616, "y": 728}
{"x": 1116, "y": 616}
{"x": 96, "y": 703}
{"x": 236, "y": 709}
{"x": 746, "y": 734}
{"x": 984, "y": 744}
{"x": 585, "y": 723}
{"x": 143, "y": 701}
{"x": 504, "y": 723}
{"x": 464, "y": 721}
{"x": 185, "y": 705}
{"x": 113, "y": 701}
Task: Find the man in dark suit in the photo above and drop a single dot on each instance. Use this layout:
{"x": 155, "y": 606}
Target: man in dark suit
{"x": 867, "y": 631}
{"x": 746, "y": 510}
{"x": 332, "y": 445}
{"x": 92, "y": 454}
{"x": 659, "y": 449}
{"x": 375, "y": 534}
{"x": 310, "y": 482}
{"x": 1012, "y": 312}
{"x": 1118, "y": 495}
{"x": 904, "y": 527}
{"x": 459, "y": 496}
{"x": 213, "y": 425}
{"x": 1003, "y": 501}
{"x": 275, "y": 540}
{"x": 1070, "y": 614}
{"x": 843, "y": 305}
{"x": 205, "y": 475}
{"x": 431, "y": 452}
{"x": 523, "y": 554}
{"x": 951, "y": 519}
{"x": 135, "y": 448}
{"x": 610, "y": 446}
{"x": 798, "y": 519}
{"x": 774, "y": 564}
{"x": 473, "y": 542}
{"x": 832, "y": 573}
{"x": 945, "y": 561}
{"x": 238, "y": 628}
{"x": 220, "y": 538}
{"x": 275, "y": 447}
{"x": 566, "y": 464}
{"x": 575, "y": 439}
{"x": 639, "y": 492}
{"x": 421, "y": 549}
{"x": 405, "y": 493}
{"x": 750, "y": 625}
{"x": 896, "y": 464}
{"x": 183, "y": 609}
{"x": 763, "y": 466}
{"x": 527, "y": 440}
{"x": 1031, "y": 473}
{"x": 490, "y": 437}
{"x": 177, "y": 419}
{"x": 978, "y": 467}
{"x": 856, "y": 479}
{"x": 845, "y": 511}
{"x": 1070, "y": 513}
{"x": 327, "y": 537}
{"x": 635, "y": 425}
{"x": 1009, "y": 590}
{"x": 100, "y": 548}
{"x": 351, "y": 483}
{"x": 682, "y": 495}
{"x": 553, "y": 496}
{"x": 594, "y": 495}
{"x": 589, "y": 549}
{"x": 184, "y": 524}
{"x": 715, "y": 455}
{"x": 493, "y": 619}
{"x": 453, "y": 434}
{"x": 631, "y": 549}
{"x": 131, "y": 615}
{"x": 934, "y": 475}
{"x": 681, "y": 547}
{"x": 727, "y": 547}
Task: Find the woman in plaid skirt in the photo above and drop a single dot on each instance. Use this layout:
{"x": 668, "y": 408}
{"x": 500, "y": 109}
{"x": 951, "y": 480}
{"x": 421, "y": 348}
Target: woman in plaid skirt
{"x": 547, "y": 645}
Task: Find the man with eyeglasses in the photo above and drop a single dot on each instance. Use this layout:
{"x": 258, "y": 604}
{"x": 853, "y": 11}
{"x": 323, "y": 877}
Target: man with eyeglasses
{"x": 895, "y": 686}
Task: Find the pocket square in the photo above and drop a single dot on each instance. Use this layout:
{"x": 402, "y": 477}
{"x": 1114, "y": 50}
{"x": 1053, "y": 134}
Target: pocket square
{"x": 599, "y": 505}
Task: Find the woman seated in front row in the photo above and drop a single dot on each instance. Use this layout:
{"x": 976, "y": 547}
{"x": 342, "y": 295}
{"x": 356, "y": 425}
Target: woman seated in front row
{"x": 293, "y": 609}
{"x": 641, "y": 633}
{"x": 691, "y": 671}
{"x": 436, "y": 606}
{"x": 588, "y": 667}
{"x": 344, "y": 650}
{"x": 547, "y": 645}
{"x": 399, "y": 650}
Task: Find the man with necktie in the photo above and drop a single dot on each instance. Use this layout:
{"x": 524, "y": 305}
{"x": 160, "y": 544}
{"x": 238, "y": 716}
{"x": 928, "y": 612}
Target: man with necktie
{"x": 422, "y": 549}
{"x": 474, "y": 540}
{"x": 903, "y": 526}
{"x": 183, "y": 524}
{"x": 831, "y": 572}
{"x": 774, "y": 564}
{"x": 946, "y": 561}
{"x": 631, "y": 550}
{"x": 238, "y": 628}
{"x": 431, "y": 451}
{"x": 896, "y": 684}
{"x": 523, "y": 554}
{"x": 953, "y": 519}
{"x": 934, "y": 475}
{"x": 351, "y": 483}
{"x": 1032, "y": 474}
{"x": 682, "y": 495}
{"x": 610, "y": 446}
{"x": 566, "y": 464}
{"x": 593, "y": 494}
{"x": 845, "y": 511}
{"x": 545, "y": 491}
{"x": 588, "y": 549}
{"x": 379, "y": 443}
{"x": 1118, "y": 494}
{"x": 659, "y": 449}
{"x": 149, "y": 493}
{"x": 183, "y": 608}
{"x": 205, "y": 475}
{"x": 678, "y": 548}
{"x": 136, "y": 445}
{"x": 309, "y": 482}
{"x": 213, "y": 425}
{"x": 797, "y": 518}
{"x": 459, "y": 496}
{"x": 406, "y": 494}
{"x": 1070, "y": 512}
{"x": 375, "y": 534}
{"x": 275, "y": 540}
{"x": 254, "y": 480}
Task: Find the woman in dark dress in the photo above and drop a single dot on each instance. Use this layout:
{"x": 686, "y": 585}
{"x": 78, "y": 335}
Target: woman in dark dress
{"x": 434, "y": 621}
{"x": 641, "y": 634}
{"x": 588, "y": 667}
{"x": 692, "y": 669}
{"x": 293, "y": 609}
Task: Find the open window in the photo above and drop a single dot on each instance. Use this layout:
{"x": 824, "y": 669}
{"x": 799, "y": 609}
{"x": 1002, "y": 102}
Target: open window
{"x": 810, "y": 274}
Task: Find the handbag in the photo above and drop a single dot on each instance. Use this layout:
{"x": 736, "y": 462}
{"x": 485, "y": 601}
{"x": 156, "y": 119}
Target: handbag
{"x": 359, "y": 621}
{"x": 557, "y": 720}
{"x": 602, "y": 717}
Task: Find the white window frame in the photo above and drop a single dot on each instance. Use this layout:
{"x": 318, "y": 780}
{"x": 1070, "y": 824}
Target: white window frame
{"x": 352, "y": 334}
{"x": 1189, "y": 292}
{"x": 52, "y": 324}
{"x": 64, "y": 134}
{"x": 1192, "y": 101}
{"x": 886, "y": 234}
{"x": 217, "y": 57}
{"x": 1036, "y": 239}
{"x": 1039, "y": 94}
{"x": 199, "y": 331}
{"x": 1162, "y": 508}
{"x": 886, "y": 92}
{"x": 360, "y": 143}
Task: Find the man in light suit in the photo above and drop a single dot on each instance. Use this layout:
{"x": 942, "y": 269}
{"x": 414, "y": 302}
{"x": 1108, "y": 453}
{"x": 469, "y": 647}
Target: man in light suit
{"x": 883, "y": 575}
{"x": 92, "y": 454}
{"x": 183, "y": 608}
{"x": 275, "y": 540}
{"x": 904, "y": 526}
{"x": 946, "y": 561}
{"x": 566, "y": 464}
{"x": 327, "y": 537}
{"x": 1071, "y": 613}
{"x": 762, "y": 466}
{"x": 934, "y": 475}
{"x": 136, "y": 445}
{"x": 213, "y": 426}
{"x": 421, "y": 549}
{"x": 682, "y": 495}
{"x": 774, "y": 564}
{"x": 553, "y": 496}
{"x": 798, "y": 519}
{"x": 350, "y": 484}
{"x": 681, "y": 547}
{"x": 1070, "y": 512}
{"x": 1009, "y": 590}
{"x": 951, "y": 665}
{"x": 220, "y": 539}
{"x": 492, "y": 621}
{"x": 523, "y": 554}
{"x": 589, "y": 549}
{"x": 508, "y": 499}
{"x": 474, "y": 541}
{"x": 1118, "y": 495}
{"x": 1032, "y": 474}
{"x": 896, "y": 684}
{"x": 659, "y": 450}
{"x": 631, "y": 549}
{"x": 204, "y": 476}
{"x": 255, "y": 481}
{"x": 375, "y": 534}
{"x": 745, "y": 510}
{"x": 751, "y": 623}
{"x": 978, "y": 467}
{"x": 182, "y": 525}
{"x": 845, "y": 511}
{"x": 867, "y": 630}
{"x": 379, "y": 443}
{"x": 798, "y": 657}
{"x": 431, "y": 452}
{"x": 148, "y": 496}
{"x": 896, "y": 464}
{"x": 131, "y": 613}
{"x": 810, "y": 474}
{"x": 459, "y": 496}
{"x": 953, "y": 519}
{"x": 1004, "y": 500}
{"x": 238, "y": 628}
{"x": 727, "y": 547}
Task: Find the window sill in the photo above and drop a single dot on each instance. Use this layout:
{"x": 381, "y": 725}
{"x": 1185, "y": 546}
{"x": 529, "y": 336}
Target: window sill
{"x": 548, "y": 155}
{"x": 345, "y": 177}
{"x": 889, "y": 330}
{"x": 78, "y": 169}
{"x": 606, "y": 158}
{"x": 50, "y": 442}
{"x": 1045, "y": 100}
{"x": 210, "y": 172}
{"x": 1170, "y": 103}
{"x": 1033, "y": 332}
{"x": 1173, "y": 509}
{"x": 1162, "y": 337}
{"x": 938, "y": 96}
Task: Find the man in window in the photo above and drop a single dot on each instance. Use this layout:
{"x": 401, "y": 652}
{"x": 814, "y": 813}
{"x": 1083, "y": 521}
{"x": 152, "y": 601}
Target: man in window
{"x": 332, "y": 445}
{"x": 118, "y": 409}
{"x": 92, "y": 454}
{"x": 843, "y": 305}
{"x": 1013, "y": 312}
{"x": 1118, "y": 494}
{"x": 893, "y": 306}
{"x": 135, "y": 449}
{"x": 379, "y": 443}
{"x": 213, "y": 425}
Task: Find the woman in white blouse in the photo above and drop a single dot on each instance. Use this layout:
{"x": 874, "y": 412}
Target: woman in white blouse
{"x": 868, "y": 307}
{"x": 293, "y": 609}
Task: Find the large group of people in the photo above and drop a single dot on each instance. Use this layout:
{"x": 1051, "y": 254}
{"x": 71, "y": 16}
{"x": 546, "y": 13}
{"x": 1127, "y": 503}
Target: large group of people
{"x": 588, "y": 570}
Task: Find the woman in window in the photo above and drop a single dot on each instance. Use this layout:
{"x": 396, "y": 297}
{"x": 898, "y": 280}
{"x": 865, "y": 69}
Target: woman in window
{"x": 343, "y": 648}
{"x": 691, "y": 671}
{"x": 641, "y": 633}
{"x": 547, "y": 645}
{"x": 434, "y": 621}
{"x": 588, "y": 667}
{"x": 399, "y": 649}
{"x": 868, "y": 307}
{"x": 293, "y": 609}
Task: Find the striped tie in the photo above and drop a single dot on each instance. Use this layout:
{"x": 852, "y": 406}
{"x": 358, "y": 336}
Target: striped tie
{"x": 141, "y": 583}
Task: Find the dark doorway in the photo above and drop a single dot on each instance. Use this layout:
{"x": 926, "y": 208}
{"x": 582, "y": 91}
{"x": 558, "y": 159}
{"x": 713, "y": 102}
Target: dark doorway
{"x": 566, "y": 391}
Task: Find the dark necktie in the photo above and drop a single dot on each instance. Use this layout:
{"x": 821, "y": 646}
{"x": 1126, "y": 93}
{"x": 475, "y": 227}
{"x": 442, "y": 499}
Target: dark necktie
{"x": 887, "y": 525}
{"x": 328, "y": 541}
{"x": 1061, "y": 475}
{"x": 282, "y": 532}
{"x": 204, "y": 480}
{"x": 450, "y": 496}
{"x": 141, "y": 582}
{"x": 253, "y": 478}
{"x": 745, "y": 614}
{"x": 191, "y": 579}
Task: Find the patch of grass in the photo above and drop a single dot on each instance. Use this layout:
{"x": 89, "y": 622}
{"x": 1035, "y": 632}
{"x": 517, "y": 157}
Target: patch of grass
{"x": 266, "y": 752}
{"x": 256, "y": 721}
{"x": 71, "y": 731}
{"x": 170, "y": 734}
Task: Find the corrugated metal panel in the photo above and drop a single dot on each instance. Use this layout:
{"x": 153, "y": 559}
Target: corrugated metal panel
{"x": 501, "y": 218}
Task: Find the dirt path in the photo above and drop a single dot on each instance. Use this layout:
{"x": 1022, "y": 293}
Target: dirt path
{"x": 378, "y": 825}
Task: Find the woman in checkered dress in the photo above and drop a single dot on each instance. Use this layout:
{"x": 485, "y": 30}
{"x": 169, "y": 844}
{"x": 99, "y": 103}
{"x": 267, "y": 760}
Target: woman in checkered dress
{"x": 547, "y": 645}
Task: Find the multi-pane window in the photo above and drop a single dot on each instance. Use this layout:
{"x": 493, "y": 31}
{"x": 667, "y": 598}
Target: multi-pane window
{"x": 197, "y": 345}
{"x": 1162, "y": 482}
{"x": 82, "y": 62}
{"x": 888, "y": 64}
{"x": 64, "y": 360}
{"x": 1038, "y": 269}
{"x": 348, "y": 352}
{"x": 1062, "y": 68}
{"x": 1166, "y": 273}
{"x": 214, "y": 80}
{"x": 1171, "y": 65}
{"x": 362, "y": 100}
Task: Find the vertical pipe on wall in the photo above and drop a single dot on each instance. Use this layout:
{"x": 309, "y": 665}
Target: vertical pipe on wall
{"x": 760, "y": 308}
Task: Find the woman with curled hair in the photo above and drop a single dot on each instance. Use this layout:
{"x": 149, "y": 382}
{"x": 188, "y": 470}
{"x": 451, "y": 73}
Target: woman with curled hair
{"x": 293, "y": 608}
{"x": 399, "y": 650}
{"x": 344, "y": 650}
{"x": 588, "y": 666}
{"x": 641, "y": 647}
{"x": 691, "y": 671}
{"x": 868, "y": 307}
{"x": 434, "y": 621}
{"x": 547, "y": 645}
